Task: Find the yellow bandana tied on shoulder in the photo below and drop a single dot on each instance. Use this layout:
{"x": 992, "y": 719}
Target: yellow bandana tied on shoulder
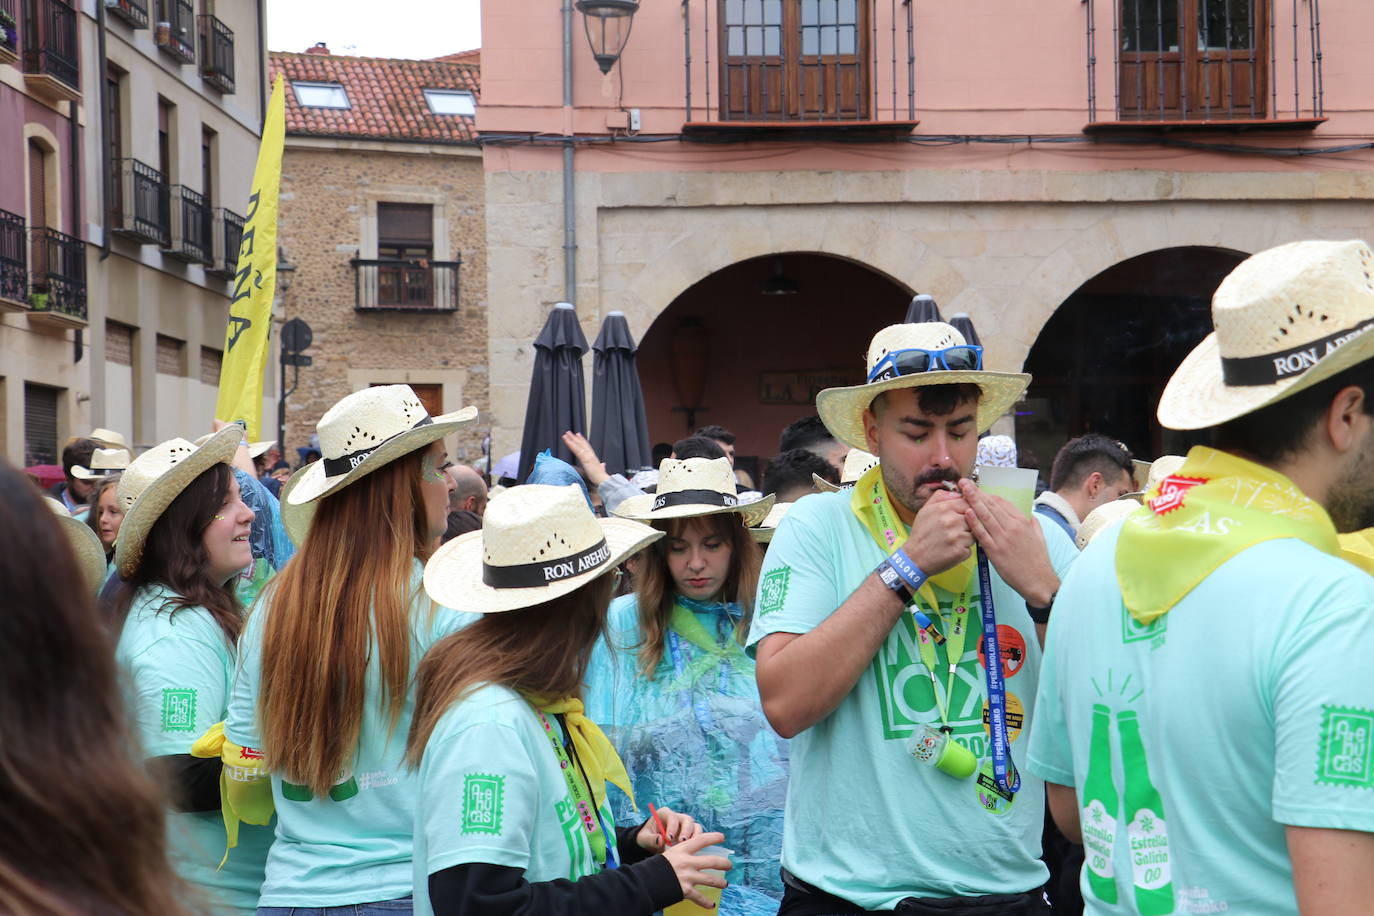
{"x": 1202, "y": 515}
{"x": 872, "y": 505}
{"x": 1357, "y": 547}
{"x": 245, "y": 784}
{"x": 594, "y": 750}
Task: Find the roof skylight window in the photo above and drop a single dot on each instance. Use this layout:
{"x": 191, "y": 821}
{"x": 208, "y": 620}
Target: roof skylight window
{"x": 321, "y": 95}
{"x": 451, "y": 102}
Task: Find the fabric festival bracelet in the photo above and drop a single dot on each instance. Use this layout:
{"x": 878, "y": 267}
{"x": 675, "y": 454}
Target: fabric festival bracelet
{"x": 911, "y": 573}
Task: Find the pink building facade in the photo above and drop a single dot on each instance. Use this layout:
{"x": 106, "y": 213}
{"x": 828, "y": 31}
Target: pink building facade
{"x": 787, "y": 174}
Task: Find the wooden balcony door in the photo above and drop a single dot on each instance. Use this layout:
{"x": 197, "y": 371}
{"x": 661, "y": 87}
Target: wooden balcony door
{"x": 1193, "y": 59}
{"x": 791, "y": 60}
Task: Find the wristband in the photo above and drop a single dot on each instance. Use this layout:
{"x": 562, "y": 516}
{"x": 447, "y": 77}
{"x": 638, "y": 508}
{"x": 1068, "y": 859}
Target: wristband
{"x": 911, "y": 573}
{"x": 1041, "y": 615}
{"x": 893, "y": 580}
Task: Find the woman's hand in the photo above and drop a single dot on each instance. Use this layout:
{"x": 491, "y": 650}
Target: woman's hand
{"x": 678, "y": 826}
{"x": 688, "y": 866}
{"x": 586, "y": 457}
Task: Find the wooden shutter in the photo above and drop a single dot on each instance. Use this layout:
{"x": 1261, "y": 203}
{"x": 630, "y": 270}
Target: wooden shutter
{"x": 40, "y": 424}
{"x": 405, "y": 225}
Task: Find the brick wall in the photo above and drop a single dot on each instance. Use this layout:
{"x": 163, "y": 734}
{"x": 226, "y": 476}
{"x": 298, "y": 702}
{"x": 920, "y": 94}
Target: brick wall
{"x": 327, "y": 195}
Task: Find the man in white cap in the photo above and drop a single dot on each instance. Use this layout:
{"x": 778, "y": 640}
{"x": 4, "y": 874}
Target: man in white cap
{"x": 1206, "y": 710}
{"x": 883, "y": 645}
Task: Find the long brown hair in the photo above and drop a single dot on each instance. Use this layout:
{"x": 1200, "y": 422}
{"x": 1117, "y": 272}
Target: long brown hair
{"x": 109, "y": 482}
{"x": 174, "y": 555}
{"x": 347, "y": 590}
{"x": 78, "y": 832}
{"x": 655, "y": 590}
{"x": 541, "y": 650}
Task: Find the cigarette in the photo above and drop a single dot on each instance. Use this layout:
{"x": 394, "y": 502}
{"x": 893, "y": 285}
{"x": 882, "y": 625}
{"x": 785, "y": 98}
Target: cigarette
{"x": 949, "y": 486}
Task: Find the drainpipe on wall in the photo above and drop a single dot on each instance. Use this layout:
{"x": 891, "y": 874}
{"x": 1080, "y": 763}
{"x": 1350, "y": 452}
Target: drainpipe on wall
{"x": 106, "y": 162}
{"x": 262, "y": 62}
{"x": 569, "y": 212}
{"x": 74, "y": 167}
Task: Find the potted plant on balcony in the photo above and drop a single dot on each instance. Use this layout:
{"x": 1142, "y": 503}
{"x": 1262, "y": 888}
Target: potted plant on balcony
{"x": 38, "y": 301}
{"x": 8, "y": 29}
{"x": 163, "y": 36}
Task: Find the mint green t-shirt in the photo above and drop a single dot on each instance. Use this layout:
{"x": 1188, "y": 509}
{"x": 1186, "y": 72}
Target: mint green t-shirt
{"x": 178, "y": 669}
{"x": 864, "y": 820}
{"x": 1193, "y": 741}
{"x": 492, "y": 791}
{"x": 353, "y": 846}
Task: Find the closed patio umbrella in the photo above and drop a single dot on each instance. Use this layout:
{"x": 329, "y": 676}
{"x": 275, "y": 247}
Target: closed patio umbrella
{"x": 558, "y": 395}
{"x": 620, "y": 428}
{"x": 964, "y": 325}
{"x": 922, "y": 309}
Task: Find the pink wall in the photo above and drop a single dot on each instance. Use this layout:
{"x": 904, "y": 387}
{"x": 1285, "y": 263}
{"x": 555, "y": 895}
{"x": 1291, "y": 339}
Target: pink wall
{"x": 982, "y": 67}
{"x": 16, "y": 110}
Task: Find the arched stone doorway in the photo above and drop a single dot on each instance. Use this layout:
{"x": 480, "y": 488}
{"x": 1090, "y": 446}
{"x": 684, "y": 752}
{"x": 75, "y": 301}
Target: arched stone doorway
{"x": 1103, "y": 358}
{"x": 756, "y": 339}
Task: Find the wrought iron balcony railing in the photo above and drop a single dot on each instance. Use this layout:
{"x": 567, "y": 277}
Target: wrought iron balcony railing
{"x": 391, "y": 284}
{"x": 134, "y": 12}
{"x": 144, "y": 213}
{"x": 176, "y": 29}
{"x": 228, "y": 237}
{"x": 50, "y": 45}
{"x": 58, "y": 279}
{"x": 190, "y": 229}
{"x": 217, "y": 54}
{"x": 14, "y": 261}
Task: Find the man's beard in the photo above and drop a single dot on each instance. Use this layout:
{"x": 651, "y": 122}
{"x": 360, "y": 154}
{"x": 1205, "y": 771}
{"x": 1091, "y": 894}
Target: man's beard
{"x": 1350, "y": 501}
{"x": 908, "y": 493}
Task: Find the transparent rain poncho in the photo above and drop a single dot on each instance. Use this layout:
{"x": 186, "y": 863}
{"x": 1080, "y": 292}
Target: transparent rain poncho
{"x": 694, "y": 739}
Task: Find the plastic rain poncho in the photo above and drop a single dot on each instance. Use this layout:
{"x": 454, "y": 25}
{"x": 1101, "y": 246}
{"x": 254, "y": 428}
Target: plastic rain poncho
{"x": 694, "y": 739}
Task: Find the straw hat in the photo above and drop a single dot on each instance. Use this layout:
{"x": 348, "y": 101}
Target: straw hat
{"x": 763, "y": 533}
{"x": 90, "y": 553}
{"x": 295, "y": 519}
{"x": 996, "y": 452}
{"x": 857, "y": 463}
{"x": 1103, "y": 517}
{"x": 104, "y": 462}
{"x": 254, "y": 448}
{"x": 368, "y": 429}
{"x": 689, "y": 487}
{"x": 536, "y": 543}
{"x": 156, "y": 478}
{"x": 111, "y": 439}
{"x": 1285, "y": 319}
{"x": 1161, "y": 467}
{"x": 842, "y": 409}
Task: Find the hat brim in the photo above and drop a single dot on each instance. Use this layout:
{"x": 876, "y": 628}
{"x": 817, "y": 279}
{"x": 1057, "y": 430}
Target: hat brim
{"x": 154, "y": 500}
{"x": 258, "y": 449}
{"x": 826, "y": 486}
{"x": 90, "y": 553}
{"x": 641, "y": 509}
{"x": 1197, "y": 396}
{"x": 81, "y": 473}
{"x": 453, "y": 576}
{"x": 316, "y": 483}
{"x": 842, "y": 409}
{"x": 295, "y": 519}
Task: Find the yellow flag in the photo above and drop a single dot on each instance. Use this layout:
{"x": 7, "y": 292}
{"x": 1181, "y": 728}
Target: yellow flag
{"x": 255, "y": 281}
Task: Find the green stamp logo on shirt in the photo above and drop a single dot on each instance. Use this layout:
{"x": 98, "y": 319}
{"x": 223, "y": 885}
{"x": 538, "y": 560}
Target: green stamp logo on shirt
{"x": 774, "y": 590}
{"x": 178, "y": 709}
{"x": 1133, "y": 630}
{"x": 1345, "y": 756}
{"x": 482, "y": 803}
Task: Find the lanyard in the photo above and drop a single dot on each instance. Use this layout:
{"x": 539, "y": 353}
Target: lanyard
{"x": 954, "y": 653}
{"x": 1003, "y": 770}
{"x": 600, "y": 840}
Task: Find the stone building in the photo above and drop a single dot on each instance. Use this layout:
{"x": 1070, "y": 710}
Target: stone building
{"x": 760, "y": 184}
{"x": 382, "y": 218}
{"x": 128, "y": 133}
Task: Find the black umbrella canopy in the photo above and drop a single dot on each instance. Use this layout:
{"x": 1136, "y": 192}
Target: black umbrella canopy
{"x": 922, "y": 309}
{"x": 964, "y": 325}
{"x": 620, "y": 427}
{"x": 558, "y": 395}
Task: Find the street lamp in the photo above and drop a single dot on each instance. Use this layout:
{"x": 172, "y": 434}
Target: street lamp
{"x": 608, "y": 25}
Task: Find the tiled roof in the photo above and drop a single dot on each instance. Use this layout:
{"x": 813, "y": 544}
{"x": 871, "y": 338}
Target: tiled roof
{"x": 384, "y": 94}
{"x": 463, "y": 57}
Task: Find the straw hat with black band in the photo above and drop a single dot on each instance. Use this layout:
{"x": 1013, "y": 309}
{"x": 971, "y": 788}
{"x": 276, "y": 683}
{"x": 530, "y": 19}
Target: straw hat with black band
{"x": 1286, "y": 319}
{"x": 763, "y": 532}
{"x": 914, "y": 356}
{"x": 154, "y": 479}
{"x": 857, "y": 463}
{"x": 690, "y": 487}
{"x": 90, "y": 553}
{"x": 366, "y": 430}
{"x": 254, "y": 448}
{"x": 536, "y": 543}
{"x": 104, "y": 462}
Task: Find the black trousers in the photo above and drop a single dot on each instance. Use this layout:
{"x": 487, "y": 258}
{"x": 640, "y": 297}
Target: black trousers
{"x": 802, "y": 899}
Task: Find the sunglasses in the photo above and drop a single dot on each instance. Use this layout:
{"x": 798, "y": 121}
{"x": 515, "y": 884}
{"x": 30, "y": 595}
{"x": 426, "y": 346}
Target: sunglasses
{"x": 914, "y": 361}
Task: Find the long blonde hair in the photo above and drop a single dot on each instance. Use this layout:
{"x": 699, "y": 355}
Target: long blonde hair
{"x": 655, "y": 591}
{"x": 346, "y": 591}
{"x": 542, "y": 650}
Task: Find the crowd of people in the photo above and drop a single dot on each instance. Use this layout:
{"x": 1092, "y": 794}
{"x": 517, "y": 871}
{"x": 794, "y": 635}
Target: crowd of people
{"x": 875, "y": 680}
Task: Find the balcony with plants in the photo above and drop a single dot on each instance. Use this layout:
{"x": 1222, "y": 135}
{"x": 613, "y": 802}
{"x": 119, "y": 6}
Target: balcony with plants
{"x": 52, "y": 65}
{"x": 217, "y": 54}
{"x": 406, "y": 285}
{"x": 134, "y": 12}
{"x": 57, "y": 280}
{"x": 14, "y": 263}
{"x": 9, "y": 32}
{"x": 176, "y": 29}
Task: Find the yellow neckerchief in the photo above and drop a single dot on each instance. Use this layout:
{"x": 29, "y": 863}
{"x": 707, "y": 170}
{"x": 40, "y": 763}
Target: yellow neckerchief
{"x": 245, "y": 785}
{"x": 1202, "y": 515}
{"x": 873, "y": 507}
{"x": 594, "y": 749}
{"x": 1358, "y": 547}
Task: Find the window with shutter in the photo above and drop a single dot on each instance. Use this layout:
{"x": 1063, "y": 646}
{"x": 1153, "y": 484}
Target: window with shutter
{"x": 405, "y": 246}
{"x": 40, "y": 424}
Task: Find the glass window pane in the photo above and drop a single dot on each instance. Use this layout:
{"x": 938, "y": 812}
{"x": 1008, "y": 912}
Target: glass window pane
{"x": 849, "y": 11}
{"x": 772, "y": 12}
{"x": 753, "y": 12}
{"x": 753, "y": 42}
{"x": 734, "y": 41}
{"x": 828, "y": 8}
{"x": 828, "y": 39}
{"x": 1223, "y": 24}
{"x": 848, "y": 44}
{"x": 772, "y": 41}
{"x": 734, "y": 12}
{"x": 1149, "y": 25}
{"x": 810, "y": 41}
{"x": 810, "y": 12}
